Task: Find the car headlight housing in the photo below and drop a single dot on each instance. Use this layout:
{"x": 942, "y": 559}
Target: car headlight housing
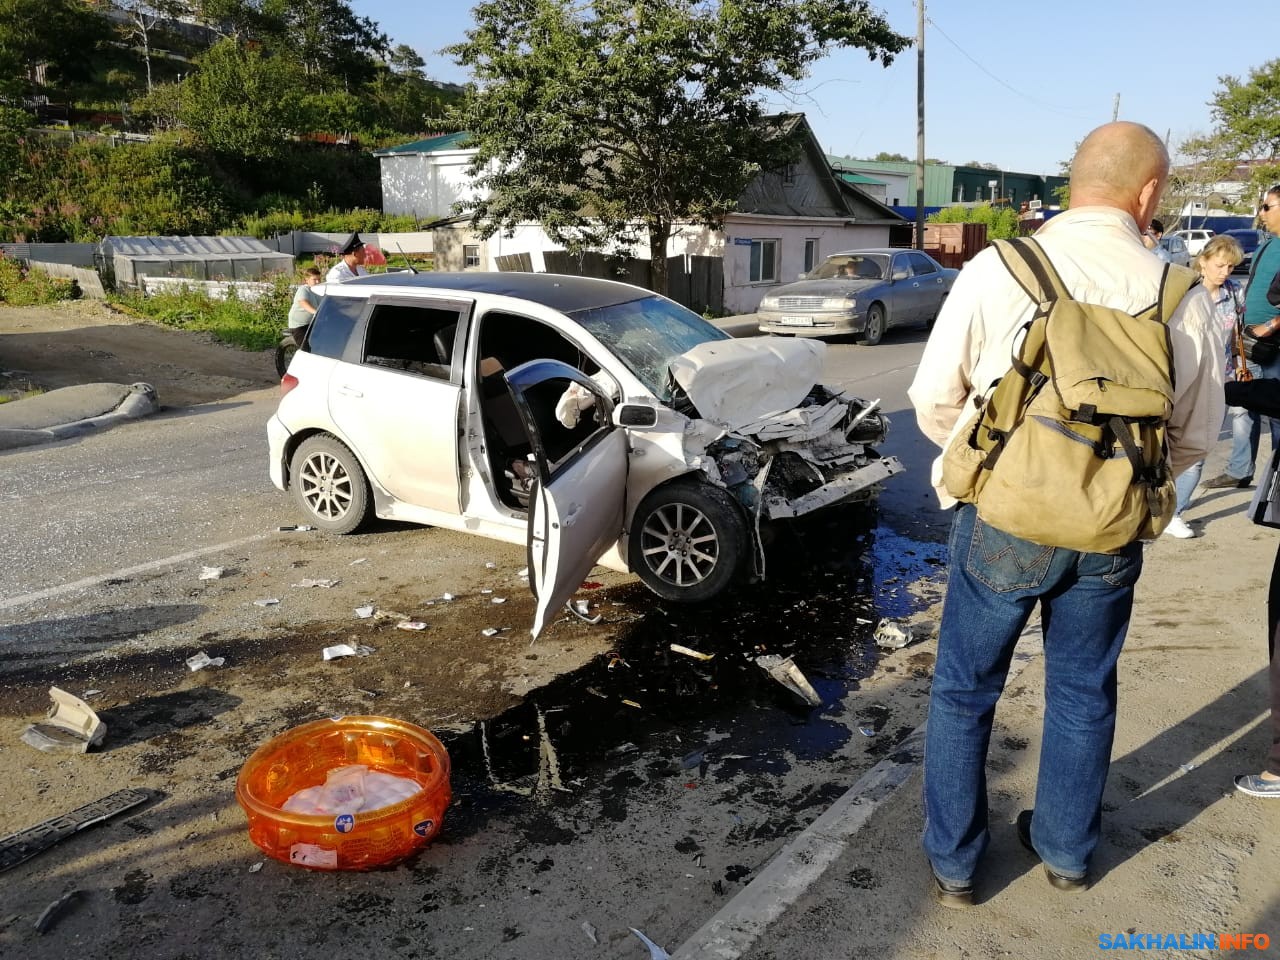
{"x": 839, "y": 303}
{"x": 769, "y": 303}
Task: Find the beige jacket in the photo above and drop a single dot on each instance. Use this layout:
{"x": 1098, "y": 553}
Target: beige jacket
{"x": 1099, "y": 254}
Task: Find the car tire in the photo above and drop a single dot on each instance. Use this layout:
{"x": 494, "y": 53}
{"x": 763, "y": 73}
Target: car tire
{"x": 677, "y": 517}
{"x": 875, "y": 326}
{"x": 329, "y": 485}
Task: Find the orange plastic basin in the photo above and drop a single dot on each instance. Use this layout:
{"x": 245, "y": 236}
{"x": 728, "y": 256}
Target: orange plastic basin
{"x": 302, "y": 757}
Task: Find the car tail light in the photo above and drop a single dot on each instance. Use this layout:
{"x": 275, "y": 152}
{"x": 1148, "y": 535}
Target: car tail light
{"x": 287, "y": 383}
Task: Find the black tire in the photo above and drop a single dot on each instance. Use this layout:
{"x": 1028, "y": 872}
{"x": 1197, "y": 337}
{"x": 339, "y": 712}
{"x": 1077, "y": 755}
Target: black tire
{"x": 284, "y": 353}
{"x": 329, "y": 485}
{"x": 875, "y": 326}
{"x": 673, "y": 519}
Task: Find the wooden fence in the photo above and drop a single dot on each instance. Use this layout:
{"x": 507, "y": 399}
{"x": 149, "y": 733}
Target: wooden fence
{"x": 697, "y": 282}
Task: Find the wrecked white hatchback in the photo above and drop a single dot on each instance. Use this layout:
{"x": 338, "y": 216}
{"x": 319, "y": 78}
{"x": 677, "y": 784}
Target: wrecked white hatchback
{"x": 594, "y": 421}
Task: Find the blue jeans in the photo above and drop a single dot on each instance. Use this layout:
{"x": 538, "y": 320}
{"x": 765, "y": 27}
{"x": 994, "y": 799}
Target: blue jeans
{"x": 995, "y": 581}
{"x": 1246, "y": 430}
{"x": 1186, "y": 485}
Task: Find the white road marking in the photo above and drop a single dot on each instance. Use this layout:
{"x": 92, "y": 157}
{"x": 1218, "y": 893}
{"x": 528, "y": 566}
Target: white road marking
{"x": 153, "y": 565}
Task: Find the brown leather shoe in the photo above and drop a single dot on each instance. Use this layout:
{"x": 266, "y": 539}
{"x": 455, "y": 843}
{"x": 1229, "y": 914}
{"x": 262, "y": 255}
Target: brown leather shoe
{"x": 1056, "y": 880}
{"x": 1224, "y": 481}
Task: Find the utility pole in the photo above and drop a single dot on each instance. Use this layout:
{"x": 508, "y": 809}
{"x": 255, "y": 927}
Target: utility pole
{"x": 1115, "y": 109}
{"x": 919, "y": 124}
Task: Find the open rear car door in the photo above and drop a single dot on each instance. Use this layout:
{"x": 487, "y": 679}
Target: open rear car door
{"x": 580, "y": 462}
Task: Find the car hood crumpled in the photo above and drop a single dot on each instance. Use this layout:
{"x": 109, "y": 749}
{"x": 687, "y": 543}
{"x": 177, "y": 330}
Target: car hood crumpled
{"x": 738, "y": 382}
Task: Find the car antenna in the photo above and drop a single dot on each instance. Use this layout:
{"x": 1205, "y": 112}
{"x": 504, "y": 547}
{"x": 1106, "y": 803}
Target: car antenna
{"x": 406, "y": 259}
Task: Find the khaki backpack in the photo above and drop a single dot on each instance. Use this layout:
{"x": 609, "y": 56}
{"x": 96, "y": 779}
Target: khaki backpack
{"x": 1068, "y": 448}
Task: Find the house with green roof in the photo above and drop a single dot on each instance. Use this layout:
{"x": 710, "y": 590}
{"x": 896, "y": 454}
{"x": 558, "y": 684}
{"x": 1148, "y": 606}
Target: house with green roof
{"x": 425, "y": 178}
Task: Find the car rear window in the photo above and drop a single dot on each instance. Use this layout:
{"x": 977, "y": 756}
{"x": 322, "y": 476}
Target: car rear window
{"x": 335, "y": 319}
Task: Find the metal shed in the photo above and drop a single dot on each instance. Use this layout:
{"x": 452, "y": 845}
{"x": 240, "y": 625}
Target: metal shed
{"x": 196, "y": 258}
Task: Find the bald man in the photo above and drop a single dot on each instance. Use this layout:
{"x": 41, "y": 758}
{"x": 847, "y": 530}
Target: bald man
{"x": 996, "y": 580}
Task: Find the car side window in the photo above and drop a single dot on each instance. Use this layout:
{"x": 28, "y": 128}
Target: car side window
{"x": 335, "y": 319}
{"x": 570, "y": 417}
{"x": 411, "y": 338}
{"x": 921, "y": 264}
{"x": 901, "y": 264}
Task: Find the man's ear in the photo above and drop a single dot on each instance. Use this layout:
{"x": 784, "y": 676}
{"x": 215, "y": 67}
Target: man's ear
{"x": 1148, "y": 200}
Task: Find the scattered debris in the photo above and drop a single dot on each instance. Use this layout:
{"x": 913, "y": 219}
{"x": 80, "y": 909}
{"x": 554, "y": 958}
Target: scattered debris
{"x": 365, "y": 612}
{"x": 632, "y": 703}
{"x": 54, "y": 910}
{"x": 255, "y": 867}
{"x": 893, "y": 634}
{"x": 22, "y": 846}
{"x": 862, "y": 620}
{"x": 498, "y": 600}
{"x": 784, "y": 670}
{"x": 491, "y": 565}
{"x": 691, "y": 760}
{"x": 523, "y": 574}
{"x": 867, "y": 731}
{"x": 266, "y": 602}
{"x": 360, "y": 560}
{"x": 591, "y": 585}
{"x": 70, "y": 725}
{"x": 690, "y": 652}
{"x": 202, "y": 660}
{"x": 590, "y": 931}
{"x": 1187, "y": 767}
{"x": 580, "y": 608}
{"x": 486, "y": 590}
{"x": 491, "y": 631}
{"x": 212, "y": 573}
{"x": 446, "y": 596}
{"x": 655, "y": 951}
{"x": 90, "y": 693}
{"x": 346, "y": 650}
{"x": 411, "y": 625}
{"x": 296, "y": 528}
{"x": 311, "y": 582}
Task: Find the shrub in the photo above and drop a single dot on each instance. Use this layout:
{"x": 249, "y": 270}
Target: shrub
{"x": 1002, "y": 223}
{"x": 251, "y": 324}
{"x": 29, "y": 287}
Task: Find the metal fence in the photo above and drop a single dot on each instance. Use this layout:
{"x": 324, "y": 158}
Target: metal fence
{"x": 697, "y": 282}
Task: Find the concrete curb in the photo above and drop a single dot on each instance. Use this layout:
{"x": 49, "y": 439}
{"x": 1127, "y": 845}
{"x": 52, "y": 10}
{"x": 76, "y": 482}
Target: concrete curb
{"x": 139, "y": 401}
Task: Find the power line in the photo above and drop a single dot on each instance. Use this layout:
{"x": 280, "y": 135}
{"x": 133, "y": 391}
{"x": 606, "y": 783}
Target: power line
{"x": 1048, "y": 106}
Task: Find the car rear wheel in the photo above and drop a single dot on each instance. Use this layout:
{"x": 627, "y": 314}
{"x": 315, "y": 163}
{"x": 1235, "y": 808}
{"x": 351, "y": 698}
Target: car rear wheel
{"x": 689, "y": 541}
{"x": 329, "y": 485}
{"x": 875, "y": 325}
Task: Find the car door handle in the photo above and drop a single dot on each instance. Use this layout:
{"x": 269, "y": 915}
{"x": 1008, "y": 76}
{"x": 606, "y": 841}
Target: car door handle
{"x": 916, "y": 284}
{"x": 350, "y": 392}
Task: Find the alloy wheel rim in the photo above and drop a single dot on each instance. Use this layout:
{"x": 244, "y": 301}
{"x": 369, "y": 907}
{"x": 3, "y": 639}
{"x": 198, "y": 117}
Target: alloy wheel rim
{"x": 326, "y": 486}
{"x": 679, "y": 544}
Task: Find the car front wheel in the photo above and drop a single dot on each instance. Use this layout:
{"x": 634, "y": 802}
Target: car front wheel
{"x": 875, "y": 326}
{"x": 689, "y": 541}
{"x": 329, "y": 485}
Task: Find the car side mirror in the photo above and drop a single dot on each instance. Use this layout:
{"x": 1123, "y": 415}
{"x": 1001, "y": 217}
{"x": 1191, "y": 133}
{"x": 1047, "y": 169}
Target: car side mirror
{"x": 635, "y": 415}
{"x": 900, "y": 275}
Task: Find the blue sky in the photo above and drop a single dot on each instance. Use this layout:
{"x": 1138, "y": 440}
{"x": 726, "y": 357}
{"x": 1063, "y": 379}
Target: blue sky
{"x": 1009, "y": 82}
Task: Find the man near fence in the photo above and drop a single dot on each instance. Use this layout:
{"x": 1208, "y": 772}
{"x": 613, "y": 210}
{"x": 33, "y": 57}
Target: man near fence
{"x": 352, "y": 263}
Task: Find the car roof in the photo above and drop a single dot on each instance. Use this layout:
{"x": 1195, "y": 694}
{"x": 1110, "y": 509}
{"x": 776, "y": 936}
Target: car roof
{"x": 557, "y": 291}
{"x": 884, "y": 251}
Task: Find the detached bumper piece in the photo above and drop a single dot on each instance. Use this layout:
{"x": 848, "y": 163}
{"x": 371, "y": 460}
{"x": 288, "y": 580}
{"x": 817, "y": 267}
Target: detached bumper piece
{"x": 839, "y": 489}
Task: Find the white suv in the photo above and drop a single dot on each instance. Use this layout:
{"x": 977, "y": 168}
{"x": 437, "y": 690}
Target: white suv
{"x": 1194, "y": 239}
{"x": 592, "y": 420}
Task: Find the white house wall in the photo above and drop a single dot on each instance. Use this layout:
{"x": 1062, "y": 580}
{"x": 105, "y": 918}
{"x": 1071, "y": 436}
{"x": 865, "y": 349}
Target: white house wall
{"x": 426, "y": 186}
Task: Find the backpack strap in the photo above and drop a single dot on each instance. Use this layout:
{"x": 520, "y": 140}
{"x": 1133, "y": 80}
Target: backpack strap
{"x": 1175, "y": 282}
{"x": 1026, "y": 260}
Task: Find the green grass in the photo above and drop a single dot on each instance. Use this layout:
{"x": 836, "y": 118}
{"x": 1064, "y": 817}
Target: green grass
{"x": 254, "y": 325}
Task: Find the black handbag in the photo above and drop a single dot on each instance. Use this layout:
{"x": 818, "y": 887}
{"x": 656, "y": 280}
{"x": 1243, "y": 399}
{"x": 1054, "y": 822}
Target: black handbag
{"x": 1264, "y": 509}
{"x": 1262, "y": 351}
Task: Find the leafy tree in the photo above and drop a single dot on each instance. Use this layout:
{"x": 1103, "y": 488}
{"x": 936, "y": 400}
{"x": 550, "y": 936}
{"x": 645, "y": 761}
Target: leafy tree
{"x": 609, "y": 120}
{"x": 1246, "y": 123}
{"x": 242, "y": 103}
{"x": 1002, "y": 222}
{"x": 142, "y": 19}
{"x": 896, "y": 157}
{"x": 61, "y": 35}
{"x": 405, "y": 61}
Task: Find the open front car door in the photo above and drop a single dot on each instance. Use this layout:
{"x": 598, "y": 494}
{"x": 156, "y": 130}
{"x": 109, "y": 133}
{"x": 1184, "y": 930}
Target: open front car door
{"x": 580, "y": 462}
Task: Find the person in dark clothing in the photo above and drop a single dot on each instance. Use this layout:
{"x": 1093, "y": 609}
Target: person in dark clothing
{"x": 1263, "y": 396}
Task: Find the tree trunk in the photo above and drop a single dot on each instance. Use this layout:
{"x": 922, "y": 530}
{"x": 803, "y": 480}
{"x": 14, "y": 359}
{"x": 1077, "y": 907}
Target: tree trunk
{"x": 659, "y": 234}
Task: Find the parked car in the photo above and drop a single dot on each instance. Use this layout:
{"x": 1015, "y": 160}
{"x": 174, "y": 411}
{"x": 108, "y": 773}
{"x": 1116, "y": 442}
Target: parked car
{"x": 861, "y": 292}
{"x": 1249, "y": 240}
{"x": 1177, "y": 249}
{"x": 592, "y": 420}
{"x": 1195, "y": 239}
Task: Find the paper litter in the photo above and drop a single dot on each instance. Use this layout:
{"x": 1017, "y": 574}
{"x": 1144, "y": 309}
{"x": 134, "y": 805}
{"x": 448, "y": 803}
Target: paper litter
{"x": 352, "y": 789}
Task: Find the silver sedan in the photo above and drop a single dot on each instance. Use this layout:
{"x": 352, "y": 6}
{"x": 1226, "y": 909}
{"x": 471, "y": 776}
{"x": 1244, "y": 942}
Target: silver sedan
{"x": 859, "y": 292}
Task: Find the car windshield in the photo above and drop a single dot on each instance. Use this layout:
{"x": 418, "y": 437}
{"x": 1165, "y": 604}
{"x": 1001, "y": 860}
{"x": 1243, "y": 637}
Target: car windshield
{"x": 852, "y": 266}
{"x": 647, "y": 334}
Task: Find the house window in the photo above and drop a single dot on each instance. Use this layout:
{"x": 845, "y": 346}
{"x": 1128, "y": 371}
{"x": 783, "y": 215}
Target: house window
{"x": 471, "y": 255}
{"x": 764, "y": 261}
{"x": 789, "y": 175}
{"x": 810, "y": 253}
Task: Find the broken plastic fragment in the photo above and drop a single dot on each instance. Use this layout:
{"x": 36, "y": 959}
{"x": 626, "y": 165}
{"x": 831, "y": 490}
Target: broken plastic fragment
{"x": 867, "y": 731}
{"x": 411, "y": 625}
{"x": 491, "y": 565}
{"x": 295, "y": 528}
{"x": 360, "y": 560}
{"x": 491, "y": 631}
{"x": 524, "y": 574}
{"x": 54, "y": 911}
{"x": 580, "y": 609}
{"x": 690, "y": 652}
{"x": 346, "y": 650}
{"x": 632, "y": 703}
{"x": 498, "y": 600}
{"x": 70, "y": 725}
{"x": 655, "y": 951}
{"x": 255, "y": 867}
{"x": 784, "y": 670}
{"x": 893, "y": 635}
{"x": 590, "y": 931}
{"x": 202, "y": 660}
{"x": 446, "y": 596}
{"x": 266, "y": 602}
{"x": 212, "y": 573}
{"x": 365, "y": 612}
{"x": 486, "y": 590}
{"x": 691, "y": 760}
{"x": 311, "y": 582}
